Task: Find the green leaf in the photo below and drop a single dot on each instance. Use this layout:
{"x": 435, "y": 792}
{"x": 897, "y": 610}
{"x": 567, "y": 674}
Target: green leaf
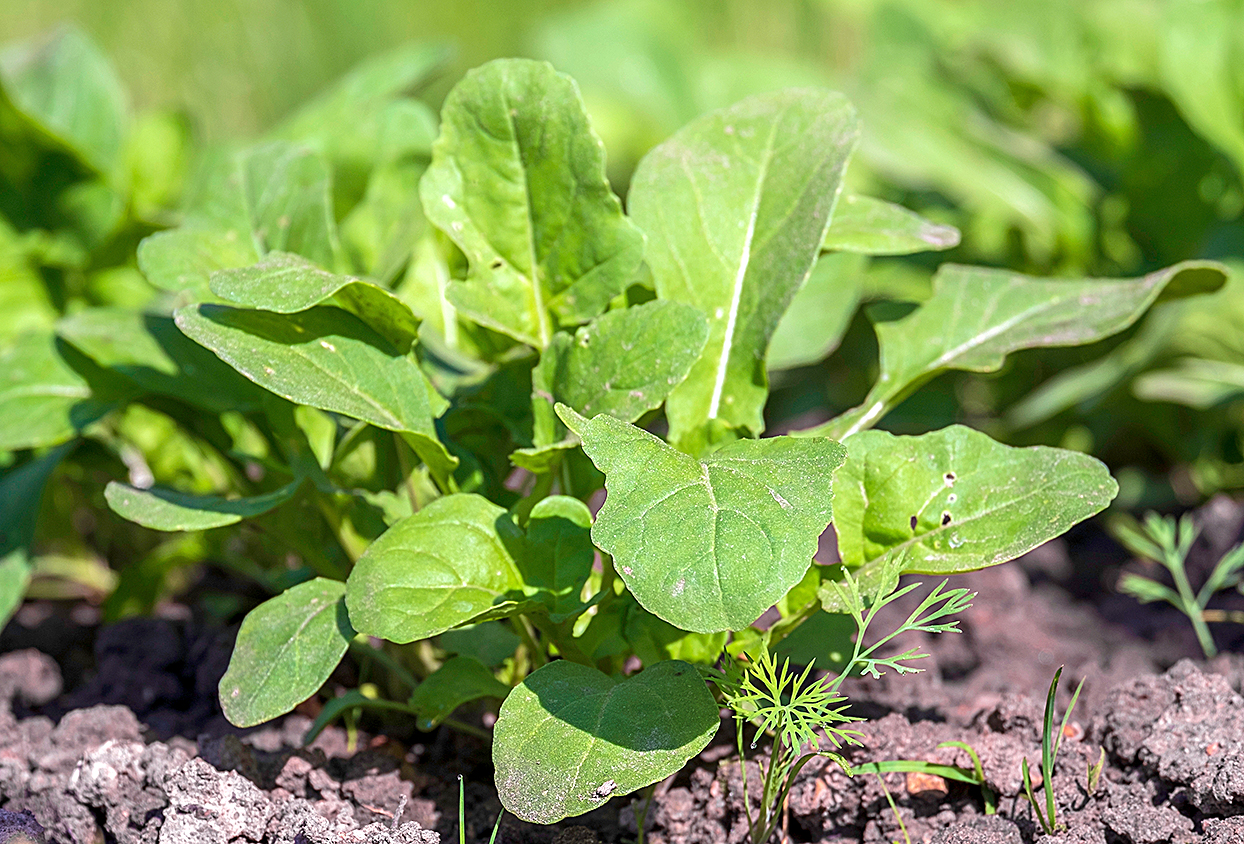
{"x": 326, "y": 358}
{"x": 452, "y": 563}
{"x": 820, "y": 313}
{"x": 334, "y": 121}
{"x": 277, "y": 197}
{"x": 150, "y": 350}
{"x": 67, "y": 86}
{"x": 708, "y": 545}
{"x": 15, "y": 572}
{"x": 461, "y": 679}
{"x": 623, "y": 363}
{"x": 517, "y": 180}
{"x": 654, "y": 640}
{"x": 873, "y": 227}
{"x": 735, "y": 207}
{"x": 185, "y": 258}
{"x": 42, "y": 400}
{"x": 569, "y": 737}
{"x": 978, "y": 316}
{"x": 1199, "y": 51}
{"x": 559, "y": 554}
{"x": 285, "y": 650}
{"x": 21, "y": 492}
{"x": 952, "y": 501}
{"x": 287, "y": 284}
{"x": 169, "y": 510}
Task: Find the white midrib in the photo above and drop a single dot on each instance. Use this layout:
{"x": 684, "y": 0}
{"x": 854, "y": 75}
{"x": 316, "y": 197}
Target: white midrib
{"x": 727, "y": 341}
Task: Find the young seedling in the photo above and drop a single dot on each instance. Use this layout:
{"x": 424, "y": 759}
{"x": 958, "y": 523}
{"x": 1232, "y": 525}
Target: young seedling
{"x": 797, "y": 711}
{"x": 1168, "y": 542}
{"x": 1050, "y": 743}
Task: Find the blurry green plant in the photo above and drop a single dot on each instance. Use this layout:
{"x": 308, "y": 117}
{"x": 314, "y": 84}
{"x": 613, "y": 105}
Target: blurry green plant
{"x": 1167, "y": 542}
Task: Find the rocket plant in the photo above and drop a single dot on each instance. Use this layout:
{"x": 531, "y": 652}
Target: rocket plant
{"x": 447, "y": 384}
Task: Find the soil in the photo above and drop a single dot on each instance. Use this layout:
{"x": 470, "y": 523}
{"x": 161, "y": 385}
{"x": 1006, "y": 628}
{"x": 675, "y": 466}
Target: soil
{"x": 113, "y": 734}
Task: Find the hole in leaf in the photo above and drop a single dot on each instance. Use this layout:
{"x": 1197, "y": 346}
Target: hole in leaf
{"x": 497, "y": 264}
{"x": 950, "y": 477}
{"x": 945, "y": 518}
{"x": 913, "y": 522}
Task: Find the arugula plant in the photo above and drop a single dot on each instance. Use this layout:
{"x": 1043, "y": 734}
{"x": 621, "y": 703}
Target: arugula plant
{"x": 387, "y": 343}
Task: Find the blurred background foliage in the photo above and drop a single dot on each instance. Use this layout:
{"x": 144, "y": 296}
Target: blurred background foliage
{"x": 1062, "y": 138}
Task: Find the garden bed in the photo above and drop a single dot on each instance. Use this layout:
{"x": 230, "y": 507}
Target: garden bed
{"x": 134, "y": 744}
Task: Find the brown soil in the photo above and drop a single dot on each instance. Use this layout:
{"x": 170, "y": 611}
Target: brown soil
{"x": 136, "y": 751}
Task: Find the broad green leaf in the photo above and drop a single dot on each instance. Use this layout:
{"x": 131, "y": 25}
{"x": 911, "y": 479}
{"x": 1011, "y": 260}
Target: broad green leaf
{"x": 654, "y": 640}
{"x": 21, "y": 491}
{"x": 285, "y": 650}
{"x": 331, "y": 121}
{"x": 569, "y": 737}
{"x": 42, "y": 400}
{"x": 735, "y": 207}
{"x": 874, "y": 227}
{"x": 517, "y": 180}
{"x": 708, "y": 545}
{"x": 277, "y": 196}
{"x": 185, "y": 258}
{"x": 978, "y": 316}
{"x": 623, "y": 363}
{"x": 382, "y": 229}
{"x": 68, "y": 87}
{"x": 820, "y": 313}
{"x": 461, "y": 679}
{"x": 1201, "y": 47}
{"x": 150, "y": 350}
{"x": 559, "y": 554}
{"x": 169, "y": 510}
{"x": 954, "y": 500}
{"x": 452, "y": 563}
{"x": 326, "y": 358}
{"x": 285, "y": 284}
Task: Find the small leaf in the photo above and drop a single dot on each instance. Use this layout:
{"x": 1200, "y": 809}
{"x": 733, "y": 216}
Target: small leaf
{"x": 559, "y": 554}
{"x": 287, "y": 283}
{"x": 185, "y": 258}
{"x": 68, "y": 87}
{"x": 461, "y": 679}
{"x": 623, "y": 363}
{"x": 735, "y": 206}
{"x": 953, "y": 501}
{"x": 326, "y": 358}
{"x": 518, "y": 182}
{"x": 15, "y": 572}
{"x": 150, "y": 350}
{"x": 820, "y": 313}
{"x": 708, "y": 545}
{"x": 169, "y": 510}
{"x": 285, "y": 650}
{"x": 42, "y": 400}
{"x": 278, "y": 197}
{"x": 451, "y": 563}
{"x": 569, "y": 737}
{"x": 870, "y": 226}
{"x": 21, "y": 493}
{"x": 978, "y": 316}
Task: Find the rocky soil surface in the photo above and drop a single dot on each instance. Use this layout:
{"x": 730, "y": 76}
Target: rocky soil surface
{"x": 113, "y": 734}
